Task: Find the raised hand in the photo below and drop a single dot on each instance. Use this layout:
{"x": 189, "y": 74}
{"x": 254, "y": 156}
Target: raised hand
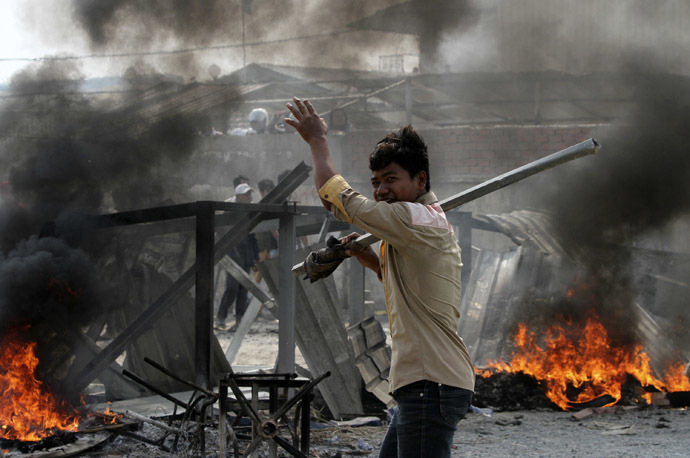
{"x": 307, "y": 122}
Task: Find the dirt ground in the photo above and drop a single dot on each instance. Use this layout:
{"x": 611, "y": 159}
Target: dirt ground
{"x": 633, "y": 432}
{"x": 649, "y": 432}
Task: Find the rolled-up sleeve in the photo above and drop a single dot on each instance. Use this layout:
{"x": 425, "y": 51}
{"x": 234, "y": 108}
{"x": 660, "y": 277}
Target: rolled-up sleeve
{"x": 389, "y": 222}
{"x": 330, "y": 192}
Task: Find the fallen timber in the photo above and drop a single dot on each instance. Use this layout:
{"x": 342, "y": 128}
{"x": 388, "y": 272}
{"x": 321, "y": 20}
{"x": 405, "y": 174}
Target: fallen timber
{"x": 576, "y": 151}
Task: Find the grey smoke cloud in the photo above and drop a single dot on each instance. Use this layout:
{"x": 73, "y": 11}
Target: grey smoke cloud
{"x": 194, "y": 22}
{"x": 46, "y": 280}
{"x": 604, "y": 205}
{"x": 641, "y": 179}
{"x": 127, "y": 23}
{"x": 65, "y": 153}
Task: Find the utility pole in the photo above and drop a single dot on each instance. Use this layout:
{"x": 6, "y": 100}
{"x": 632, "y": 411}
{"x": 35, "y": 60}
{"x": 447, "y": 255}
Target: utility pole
{"x": 246, "y": 8}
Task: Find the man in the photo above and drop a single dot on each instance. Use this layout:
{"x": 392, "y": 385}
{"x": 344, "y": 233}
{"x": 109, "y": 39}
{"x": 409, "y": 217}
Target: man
{"x": 266, "y": 241}
{"x": 238, "y": 180}
{"x": 258, "y": 120}
{"x": 245, "y": 254}
{"x": 431, "y": 376}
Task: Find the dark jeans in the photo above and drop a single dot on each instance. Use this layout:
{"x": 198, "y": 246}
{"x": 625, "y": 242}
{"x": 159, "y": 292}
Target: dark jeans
{"x": 234, "y": 292}
{"x": 424, "y": 421}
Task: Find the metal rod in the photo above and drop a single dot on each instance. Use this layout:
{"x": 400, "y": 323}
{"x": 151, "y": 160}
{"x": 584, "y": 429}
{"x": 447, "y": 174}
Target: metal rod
{"x": 289, "y": 447}
{"x": 179, "y": 379}
{"x": 299, "y": 395}
{"x": 146, "y": 384}
{"x": 242, "y": 399}
{"x": 188, "y": 210}
{"x": 204, "y": 293}
{"x": 137, "y": 416}
{"x": 584, "y": 148}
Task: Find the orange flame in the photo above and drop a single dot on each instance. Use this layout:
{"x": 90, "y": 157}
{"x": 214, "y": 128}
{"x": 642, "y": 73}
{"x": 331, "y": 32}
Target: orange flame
{"x": 109, "y": 417}
{"x": 584, "y": 361}
{"x": 27, "y": 411}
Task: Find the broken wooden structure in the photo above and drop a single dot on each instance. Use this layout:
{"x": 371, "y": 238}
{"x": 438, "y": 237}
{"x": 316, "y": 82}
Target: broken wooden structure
{"x": 199, "y": 276}
{"x": 312, "y": 318}
{"x": 372, "y": 357}
{"x": 321, "y": 337}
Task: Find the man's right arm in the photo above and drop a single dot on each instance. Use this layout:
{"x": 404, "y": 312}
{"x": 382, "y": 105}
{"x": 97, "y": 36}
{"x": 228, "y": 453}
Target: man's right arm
{"x": 313, "y": 130}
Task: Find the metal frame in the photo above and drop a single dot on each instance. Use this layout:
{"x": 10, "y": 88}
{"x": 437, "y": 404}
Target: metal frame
{"x": 266, "y": 428}
{"x": 200, "y": 275}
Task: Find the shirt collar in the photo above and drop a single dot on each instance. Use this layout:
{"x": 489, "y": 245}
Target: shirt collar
{"x": 427, "y": 198}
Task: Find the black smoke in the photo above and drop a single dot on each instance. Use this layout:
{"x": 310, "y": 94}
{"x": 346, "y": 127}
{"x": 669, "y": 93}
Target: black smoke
{"x": 45, "y": 280}
{"x": 192, "y": 22}
{"x": 438, "y": 19}
{"x": 67, "y": 154}
{"x": 126, "y": 24}
{"x": 605, "y": 206}
{"x": 640, "y": 181}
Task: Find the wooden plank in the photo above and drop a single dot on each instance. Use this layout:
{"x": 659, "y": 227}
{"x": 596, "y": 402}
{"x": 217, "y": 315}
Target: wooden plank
{"x": 322, "y": 339}
{"x": 478, "y": 294}
{"x": 263, "y": 299}
{"x": 498, "y": 308}
{"x": 183, "y": 284}
{"x": 170, "y": 341}
{"x": 372, "y": 357}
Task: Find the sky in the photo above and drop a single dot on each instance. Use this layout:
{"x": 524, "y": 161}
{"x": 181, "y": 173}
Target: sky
{"x": 19, "y": 40}
{"x": 14, "y": 40}
{"x": 33, "y": 29}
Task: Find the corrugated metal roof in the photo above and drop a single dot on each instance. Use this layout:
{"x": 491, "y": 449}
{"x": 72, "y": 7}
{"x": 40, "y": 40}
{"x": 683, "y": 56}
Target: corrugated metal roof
{"x": 374, "y": 100}
{"x": 526, "y": 228}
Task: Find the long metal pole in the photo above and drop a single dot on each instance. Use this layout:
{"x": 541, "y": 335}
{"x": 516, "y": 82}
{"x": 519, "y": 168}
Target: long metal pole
{"x": 584, "y": 148}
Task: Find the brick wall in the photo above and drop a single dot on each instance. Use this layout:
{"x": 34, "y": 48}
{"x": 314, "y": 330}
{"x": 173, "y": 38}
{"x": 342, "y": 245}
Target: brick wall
{"x": 460, "y": 157}
{"x": 470, "y": 154}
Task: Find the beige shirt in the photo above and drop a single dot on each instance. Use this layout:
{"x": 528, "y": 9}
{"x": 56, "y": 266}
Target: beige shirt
{"x": 421, "y": 277}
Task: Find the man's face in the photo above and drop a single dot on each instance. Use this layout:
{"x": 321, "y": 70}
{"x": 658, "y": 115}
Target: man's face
{"x": 394, "y": 184}
{"x": 244, "y": 198}
{"x": 258, "y": 125}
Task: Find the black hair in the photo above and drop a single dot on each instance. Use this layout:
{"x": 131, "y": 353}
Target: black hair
{"x": 406, "y": 148}
{"x": 239, "y": 179}
{"x": 283, "y": 174}
{"x": 266, "y": 185}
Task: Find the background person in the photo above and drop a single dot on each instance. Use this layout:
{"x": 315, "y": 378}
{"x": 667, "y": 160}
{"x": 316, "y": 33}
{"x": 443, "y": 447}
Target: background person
{"x": 245, "y": 253}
